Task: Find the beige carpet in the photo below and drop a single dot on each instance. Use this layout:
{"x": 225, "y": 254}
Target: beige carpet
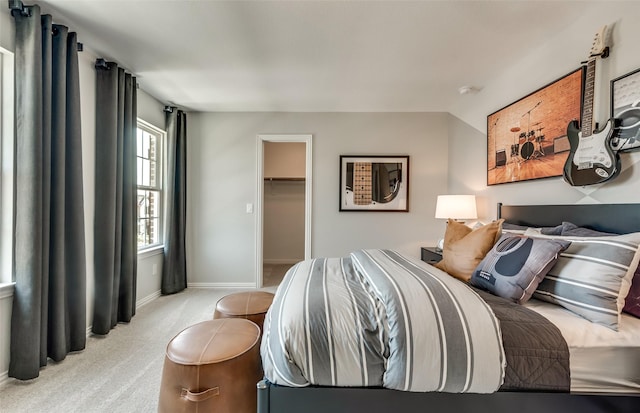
{"x": 120, "y": 372}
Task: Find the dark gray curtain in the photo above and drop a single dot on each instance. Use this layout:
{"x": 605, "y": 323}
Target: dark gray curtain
{"x": 115, "y": 224}
{"x": 174, "y": 268}
{"x": 49, "y": 302}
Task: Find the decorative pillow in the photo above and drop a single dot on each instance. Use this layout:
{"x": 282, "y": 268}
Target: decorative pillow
{"x": 464, "y": 248}
{"x": 557, "y": 230}
{"x": 513, "y": 228}
{"x": 632, "y": 301}
{"x": 593, "y": 276}
{"x": 516, "y": 264}
{"x": 572, "y": 230}
{"x": 520, "y": 229}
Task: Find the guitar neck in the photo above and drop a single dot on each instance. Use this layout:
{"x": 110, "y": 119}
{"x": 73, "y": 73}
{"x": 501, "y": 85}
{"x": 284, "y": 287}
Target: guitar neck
{"x": 587, "y": 109}
{"x": 362, "y": 194}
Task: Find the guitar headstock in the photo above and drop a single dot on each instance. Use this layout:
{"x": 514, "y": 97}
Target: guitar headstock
{"x": 598, "y": 47}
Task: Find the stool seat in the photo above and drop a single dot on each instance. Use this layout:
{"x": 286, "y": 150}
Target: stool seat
{"x": 252, "y": 305}
{"x": 212, "y": 366}
{"x": 206, "y": 343}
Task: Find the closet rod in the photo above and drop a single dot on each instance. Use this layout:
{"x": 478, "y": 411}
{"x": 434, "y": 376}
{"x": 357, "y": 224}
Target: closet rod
{"x": 284, "y": 179}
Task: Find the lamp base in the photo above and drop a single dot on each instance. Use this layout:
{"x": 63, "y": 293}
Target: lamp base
{"x": 440, "y": 245}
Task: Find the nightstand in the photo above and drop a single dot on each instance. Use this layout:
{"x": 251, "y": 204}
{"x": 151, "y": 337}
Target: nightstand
{"x": 430, "y": 255}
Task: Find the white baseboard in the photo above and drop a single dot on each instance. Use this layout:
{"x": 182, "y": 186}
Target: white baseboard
{"x": 277, "y": 261}
{"x": 4, "y": 377}
{"x": 6, "y": 294}
{"x": 6, "y": 290}
{"x": 139, "y": 303}
{"x": 221, "y": 285}
{"x": 147, "y": 299}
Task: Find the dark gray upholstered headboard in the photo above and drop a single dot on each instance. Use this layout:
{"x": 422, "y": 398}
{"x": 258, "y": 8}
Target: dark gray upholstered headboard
{"x": 617, "y": 218}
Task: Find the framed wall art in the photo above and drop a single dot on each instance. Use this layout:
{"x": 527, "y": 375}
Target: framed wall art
{"x": 625, "y": 108}
{"x": 374, "y": 183}
{"x": 528, "y": 138}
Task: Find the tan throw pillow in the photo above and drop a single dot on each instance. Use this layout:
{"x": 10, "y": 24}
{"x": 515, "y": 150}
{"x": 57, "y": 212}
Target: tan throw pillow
{"x": 464, "y": 248}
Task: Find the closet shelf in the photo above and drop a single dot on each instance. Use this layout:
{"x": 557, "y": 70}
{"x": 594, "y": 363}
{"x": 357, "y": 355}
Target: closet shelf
{"x": 283, "y": 179}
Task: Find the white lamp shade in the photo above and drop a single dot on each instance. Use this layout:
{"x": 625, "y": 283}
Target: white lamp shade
{"x": 456, "y": 207}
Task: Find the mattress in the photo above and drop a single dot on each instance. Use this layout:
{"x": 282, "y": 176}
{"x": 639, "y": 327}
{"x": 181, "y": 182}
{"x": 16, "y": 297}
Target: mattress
{"x": 602, "y": 360}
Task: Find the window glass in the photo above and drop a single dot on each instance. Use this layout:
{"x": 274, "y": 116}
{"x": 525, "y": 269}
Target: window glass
{"x": 150, "y": 191}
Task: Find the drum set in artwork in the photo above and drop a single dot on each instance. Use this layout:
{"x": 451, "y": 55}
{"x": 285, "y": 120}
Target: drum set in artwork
{"x": 526, "y": 144}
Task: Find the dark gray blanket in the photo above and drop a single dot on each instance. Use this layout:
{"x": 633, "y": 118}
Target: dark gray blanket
{"x": 537, "y": 354}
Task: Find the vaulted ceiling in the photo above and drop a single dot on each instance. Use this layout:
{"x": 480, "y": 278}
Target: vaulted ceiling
{"x": 312, "y": 55}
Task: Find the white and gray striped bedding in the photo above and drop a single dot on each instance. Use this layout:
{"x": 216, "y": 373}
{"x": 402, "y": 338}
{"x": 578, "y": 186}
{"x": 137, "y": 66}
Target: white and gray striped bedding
{"x": 377, "y": 318}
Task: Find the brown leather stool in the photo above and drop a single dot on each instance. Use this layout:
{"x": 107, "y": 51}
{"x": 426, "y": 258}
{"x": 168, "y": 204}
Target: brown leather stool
{"x": 252, "y": 305}
{"x": 212, "y": 366}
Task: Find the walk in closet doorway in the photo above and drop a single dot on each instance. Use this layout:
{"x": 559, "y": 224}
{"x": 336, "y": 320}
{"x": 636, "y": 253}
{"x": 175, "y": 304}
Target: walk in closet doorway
{"x": 284, "y": 205}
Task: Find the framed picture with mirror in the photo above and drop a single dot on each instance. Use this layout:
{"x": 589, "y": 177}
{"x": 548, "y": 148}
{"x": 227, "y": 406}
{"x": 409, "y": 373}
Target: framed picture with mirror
{"x": 625, "y": 108}
{"x": 374, "y": 183}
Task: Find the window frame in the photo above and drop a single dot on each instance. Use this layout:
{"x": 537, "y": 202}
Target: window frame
{"x": 7, "y": 134}
{"x": 159, "y": 187}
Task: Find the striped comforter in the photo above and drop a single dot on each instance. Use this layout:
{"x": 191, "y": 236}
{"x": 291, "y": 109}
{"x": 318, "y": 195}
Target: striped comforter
{"x": 377, "y": 318}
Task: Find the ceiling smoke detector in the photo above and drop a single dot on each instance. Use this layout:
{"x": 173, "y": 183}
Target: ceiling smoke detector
{"x": 465, "y": 90}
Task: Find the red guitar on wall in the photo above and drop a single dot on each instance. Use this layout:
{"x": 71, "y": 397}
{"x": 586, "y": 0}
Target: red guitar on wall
{"x": 591, "y": 160}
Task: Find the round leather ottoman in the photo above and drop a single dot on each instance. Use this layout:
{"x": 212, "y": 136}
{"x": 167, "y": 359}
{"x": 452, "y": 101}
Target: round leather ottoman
{"x": 212, "y": 366}
{"x": 252, "y": 305}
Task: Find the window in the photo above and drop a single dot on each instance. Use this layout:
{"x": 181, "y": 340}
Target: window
{"x": 149, "y": 157}
{"x": 6, "y": 165}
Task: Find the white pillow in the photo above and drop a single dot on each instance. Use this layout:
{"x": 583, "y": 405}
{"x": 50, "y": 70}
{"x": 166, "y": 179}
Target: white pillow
{"x": 592, "y": 276}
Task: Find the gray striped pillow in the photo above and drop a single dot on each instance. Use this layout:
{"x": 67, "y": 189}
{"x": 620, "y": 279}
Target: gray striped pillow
{"x": 592, "y": 277}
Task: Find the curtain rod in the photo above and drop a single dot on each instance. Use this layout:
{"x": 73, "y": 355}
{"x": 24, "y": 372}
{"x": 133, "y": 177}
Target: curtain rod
{"x": 17, "y": 6}
{"x": 101, "y": 64}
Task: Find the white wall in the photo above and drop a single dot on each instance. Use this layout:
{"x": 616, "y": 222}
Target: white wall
{"x": 6, "y": 29}
{"x": 88, "y": 115}
{"x": 6, "y": 294}
{"x": 222, "y": 179}
{"x": 556, "y": 56}
{"x": 6, "y": 301}
{"x": 150, "y": 109}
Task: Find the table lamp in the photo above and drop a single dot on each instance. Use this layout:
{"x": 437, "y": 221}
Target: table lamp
{"x": 456, "y": 207}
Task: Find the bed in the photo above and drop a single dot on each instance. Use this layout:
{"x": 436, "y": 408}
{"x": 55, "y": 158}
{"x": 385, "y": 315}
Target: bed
{"x": 589, "y": 391}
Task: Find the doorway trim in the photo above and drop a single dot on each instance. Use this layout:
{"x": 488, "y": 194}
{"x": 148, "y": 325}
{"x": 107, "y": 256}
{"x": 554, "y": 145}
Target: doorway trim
{"x": 261, "y": 139}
